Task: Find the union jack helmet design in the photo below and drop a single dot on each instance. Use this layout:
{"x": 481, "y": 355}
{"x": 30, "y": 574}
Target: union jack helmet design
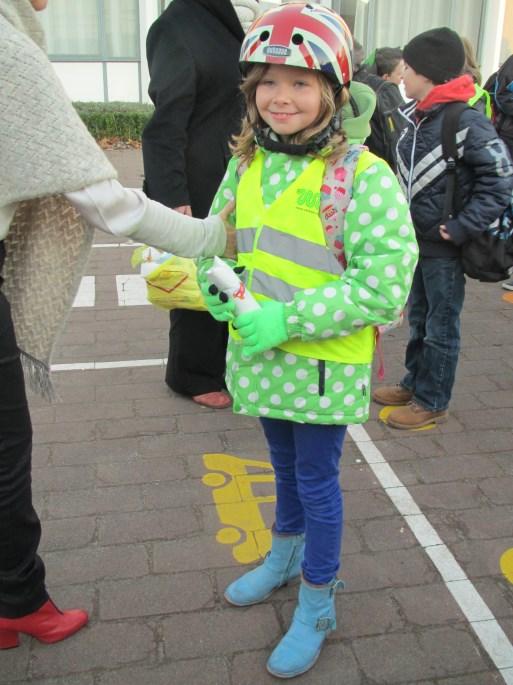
{"x": 301, "y": 34}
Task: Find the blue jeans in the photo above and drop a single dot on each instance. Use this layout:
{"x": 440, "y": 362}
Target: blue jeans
{"x": 306, "y": 459}
{"x": 434, "y": 309}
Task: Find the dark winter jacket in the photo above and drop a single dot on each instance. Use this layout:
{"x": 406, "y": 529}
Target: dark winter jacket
{"x": 386, "y": 122}
{"x": 193, "y": 53}
{"x": 484, "y": 171}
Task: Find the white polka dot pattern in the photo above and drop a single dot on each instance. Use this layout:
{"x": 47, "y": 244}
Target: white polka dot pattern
{"x": 381, "y": 252}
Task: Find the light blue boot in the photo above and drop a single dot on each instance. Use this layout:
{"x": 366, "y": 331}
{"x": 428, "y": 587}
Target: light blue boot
{"x": 281, "y": 564}
{"x": 314, "y": 618}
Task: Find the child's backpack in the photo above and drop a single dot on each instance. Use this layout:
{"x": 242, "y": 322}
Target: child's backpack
{"x": 488, "y": 255}
{"x": 386, "y": 121}
{"x": 500, "y": 87}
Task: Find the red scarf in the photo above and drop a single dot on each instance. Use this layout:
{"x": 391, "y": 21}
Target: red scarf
{"x": 459, "y": 89}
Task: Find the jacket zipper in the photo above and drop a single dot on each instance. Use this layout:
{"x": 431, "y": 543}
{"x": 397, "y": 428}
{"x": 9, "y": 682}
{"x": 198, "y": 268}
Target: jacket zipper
{"x": 322, "y": 377}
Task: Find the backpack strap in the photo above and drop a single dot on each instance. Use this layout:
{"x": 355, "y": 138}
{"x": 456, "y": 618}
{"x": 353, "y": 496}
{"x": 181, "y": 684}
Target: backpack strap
{"x": 450, "y": 125}
{"x": 336, "y": 194}
{"x": 366, "y": 160}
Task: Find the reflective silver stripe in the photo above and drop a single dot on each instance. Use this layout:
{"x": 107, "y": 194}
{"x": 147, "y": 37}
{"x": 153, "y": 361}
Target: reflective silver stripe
{"x": 272, "y": 287}
{"x": 429, "y": 168}
{"x": 299, "y": 251}
{"x": 433, "y": 165}
{"x": 245, "y": 239}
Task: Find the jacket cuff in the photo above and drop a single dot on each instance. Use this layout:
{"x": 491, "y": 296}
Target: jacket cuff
{"x": 293, "y": 321}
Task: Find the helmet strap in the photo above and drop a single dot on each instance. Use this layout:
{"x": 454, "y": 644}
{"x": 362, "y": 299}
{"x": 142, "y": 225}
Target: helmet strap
{"x": 264, "y": 138}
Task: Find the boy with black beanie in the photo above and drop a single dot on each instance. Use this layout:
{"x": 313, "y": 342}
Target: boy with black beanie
{"x": 432, "y": 77}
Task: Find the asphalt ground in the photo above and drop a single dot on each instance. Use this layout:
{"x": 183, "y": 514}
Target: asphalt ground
{"x": 151, "y": 505}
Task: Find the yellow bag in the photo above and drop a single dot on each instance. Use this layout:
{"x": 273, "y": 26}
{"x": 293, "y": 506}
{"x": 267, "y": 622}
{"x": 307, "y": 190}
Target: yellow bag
{"x": 172, "y": 283}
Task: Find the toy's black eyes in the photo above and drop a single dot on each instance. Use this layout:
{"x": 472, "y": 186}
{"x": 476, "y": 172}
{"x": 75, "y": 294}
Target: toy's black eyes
{"x": 264, "y": 35}
{"x": 297, "y": 39}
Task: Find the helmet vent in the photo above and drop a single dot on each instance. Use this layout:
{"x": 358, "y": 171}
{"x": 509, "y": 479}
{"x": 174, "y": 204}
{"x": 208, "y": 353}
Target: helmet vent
{"x": 297, "y": 39}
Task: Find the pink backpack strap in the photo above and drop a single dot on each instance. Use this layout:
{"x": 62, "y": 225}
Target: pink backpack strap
{"x": 336, "y": 193}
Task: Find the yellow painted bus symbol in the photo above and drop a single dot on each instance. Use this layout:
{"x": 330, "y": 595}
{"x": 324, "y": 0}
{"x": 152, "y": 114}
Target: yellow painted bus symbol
{"x": 506, "y": 564}
{"x": 232, "y": 480}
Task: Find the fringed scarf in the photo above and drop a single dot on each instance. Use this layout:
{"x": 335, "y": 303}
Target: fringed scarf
{"x": 45, "y": 151}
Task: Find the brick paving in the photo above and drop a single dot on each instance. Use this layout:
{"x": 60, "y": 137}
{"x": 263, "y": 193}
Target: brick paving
{"x": 129, "y": 528}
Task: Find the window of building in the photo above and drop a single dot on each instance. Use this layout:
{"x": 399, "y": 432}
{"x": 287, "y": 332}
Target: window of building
{"x": 346, "y": 9}
{"x": 380, "y": 23}
{"x": 92, "y": 30}
{"x": 507, "y": 33}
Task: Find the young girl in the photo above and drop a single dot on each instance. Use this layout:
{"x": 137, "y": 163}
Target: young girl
{"x": 302, "y": 363}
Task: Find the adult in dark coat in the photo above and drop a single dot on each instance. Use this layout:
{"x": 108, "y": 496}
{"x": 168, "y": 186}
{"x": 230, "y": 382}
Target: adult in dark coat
{"x": 193, "y": 53}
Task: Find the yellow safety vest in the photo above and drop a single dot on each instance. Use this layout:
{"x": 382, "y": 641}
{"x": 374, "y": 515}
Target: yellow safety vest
{"x": 284, "y": 250}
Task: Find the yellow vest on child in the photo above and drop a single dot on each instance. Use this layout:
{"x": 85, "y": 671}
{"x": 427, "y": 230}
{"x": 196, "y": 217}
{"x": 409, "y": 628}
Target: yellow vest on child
{"x": 284, "y": 250}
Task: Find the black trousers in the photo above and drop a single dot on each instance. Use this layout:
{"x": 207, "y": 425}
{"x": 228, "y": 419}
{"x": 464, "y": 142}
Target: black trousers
{"x": 22, "y": 573}
{"x": 197, "y": 353}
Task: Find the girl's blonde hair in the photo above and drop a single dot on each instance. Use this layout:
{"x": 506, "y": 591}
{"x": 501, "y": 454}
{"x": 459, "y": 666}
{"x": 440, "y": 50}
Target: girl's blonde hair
{"x": 244, "y": 145}
{"x": 471, "y": 66}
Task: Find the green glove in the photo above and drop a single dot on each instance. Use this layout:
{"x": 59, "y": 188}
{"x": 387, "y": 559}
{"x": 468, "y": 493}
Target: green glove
{"x": 262, "y": 329}
{"x": 217, "y": 303}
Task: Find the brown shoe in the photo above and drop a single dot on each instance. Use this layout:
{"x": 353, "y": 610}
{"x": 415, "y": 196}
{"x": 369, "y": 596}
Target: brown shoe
{"x": 414, "y": 416}
{"x": 392, "y": 394}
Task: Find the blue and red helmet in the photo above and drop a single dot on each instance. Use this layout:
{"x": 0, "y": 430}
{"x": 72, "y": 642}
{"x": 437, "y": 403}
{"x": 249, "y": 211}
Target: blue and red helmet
{"x": 304, "y": 35}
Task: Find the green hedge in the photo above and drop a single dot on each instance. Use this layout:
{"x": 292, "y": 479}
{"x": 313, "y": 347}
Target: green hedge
{"x": 123, "y": 120}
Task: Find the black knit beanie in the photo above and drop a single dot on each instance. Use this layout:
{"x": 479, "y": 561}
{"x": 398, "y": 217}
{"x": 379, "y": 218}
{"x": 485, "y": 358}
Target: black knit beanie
{"x": 437, "y": 54}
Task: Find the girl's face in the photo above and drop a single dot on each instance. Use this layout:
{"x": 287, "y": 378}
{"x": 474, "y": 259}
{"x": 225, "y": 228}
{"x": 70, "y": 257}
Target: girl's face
{"x": 396, "y": 75}
{"x": 288, "y": 98}
{"x": 39, "y": 5}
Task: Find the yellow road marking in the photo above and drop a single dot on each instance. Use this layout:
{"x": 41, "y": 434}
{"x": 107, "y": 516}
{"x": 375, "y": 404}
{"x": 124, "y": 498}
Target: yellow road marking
{"x": 232, "y": 480}
{"x": 506, "y": 564}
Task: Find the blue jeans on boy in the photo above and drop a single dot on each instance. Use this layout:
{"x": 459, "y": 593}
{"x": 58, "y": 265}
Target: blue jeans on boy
{"x": 305, "y": 458}
{"x": 434, "y": 308}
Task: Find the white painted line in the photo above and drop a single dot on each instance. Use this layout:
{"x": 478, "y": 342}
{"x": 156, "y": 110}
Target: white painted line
{"x": 131, "y": 290}
{"x": 445, "y": 562}
{"x": 81, "y": 366}
{"x": 117, "y": 244}
{"x": 386, "y": 475}
{"x": 422, "y": 529}
{"x": 470, "y": 601}
{"x": 495, "y": 641}
{"x": 507, "y": 674}
{"x": 92, "y": 366}
{"x": 404, "y": 502}
{"x": 86, "y": 293}
{"x": 475, "y": 609}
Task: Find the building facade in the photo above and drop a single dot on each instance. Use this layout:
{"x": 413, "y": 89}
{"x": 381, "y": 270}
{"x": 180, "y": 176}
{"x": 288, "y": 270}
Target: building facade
{"x": 98, "y": 46}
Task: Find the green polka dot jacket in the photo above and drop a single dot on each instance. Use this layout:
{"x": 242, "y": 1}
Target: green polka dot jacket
{"x": 381, "y": 254}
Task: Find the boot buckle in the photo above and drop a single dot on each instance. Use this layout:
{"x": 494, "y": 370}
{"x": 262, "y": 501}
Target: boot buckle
{"x": 325, "y": 623}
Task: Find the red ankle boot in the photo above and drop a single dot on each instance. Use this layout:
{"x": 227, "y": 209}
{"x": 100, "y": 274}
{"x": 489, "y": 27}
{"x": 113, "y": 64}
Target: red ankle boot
{"x": 47, "y": 624}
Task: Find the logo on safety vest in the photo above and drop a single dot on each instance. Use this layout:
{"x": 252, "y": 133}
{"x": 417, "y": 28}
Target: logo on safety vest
{"x": 308, "y": 201}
